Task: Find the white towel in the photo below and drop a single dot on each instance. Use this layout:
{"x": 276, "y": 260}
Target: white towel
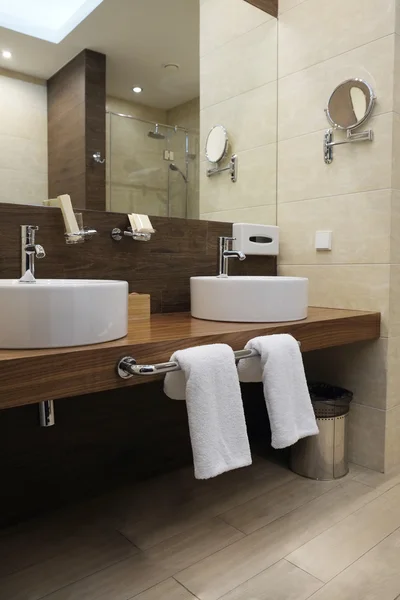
{"x": 280, "y": 368}
{"x": 210, "y": 383}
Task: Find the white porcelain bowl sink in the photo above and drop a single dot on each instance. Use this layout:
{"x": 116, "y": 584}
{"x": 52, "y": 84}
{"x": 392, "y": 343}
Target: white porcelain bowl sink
{"x": 249, "y": 299}
{"x": 54, "y": 313}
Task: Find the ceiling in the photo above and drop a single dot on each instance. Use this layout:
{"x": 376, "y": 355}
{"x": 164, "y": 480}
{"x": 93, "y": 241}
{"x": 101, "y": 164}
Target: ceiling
{"x": 137, "y": 36}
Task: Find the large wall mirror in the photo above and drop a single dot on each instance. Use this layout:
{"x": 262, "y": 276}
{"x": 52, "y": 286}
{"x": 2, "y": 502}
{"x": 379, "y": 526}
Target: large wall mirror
{"x": 158, "y": 109}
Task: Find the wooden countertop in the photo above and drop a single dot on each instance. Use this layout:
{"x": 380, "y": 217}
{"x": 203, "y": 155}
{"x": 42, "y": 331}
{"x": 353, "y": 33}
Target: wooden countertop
{"x": 30, "y": 376}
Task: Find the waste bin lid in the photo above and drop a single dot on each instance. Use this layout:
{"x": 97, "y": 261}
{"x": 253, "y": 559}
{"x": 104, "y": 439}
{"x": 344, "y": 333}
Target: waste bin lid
{"x": 328, "y": 400}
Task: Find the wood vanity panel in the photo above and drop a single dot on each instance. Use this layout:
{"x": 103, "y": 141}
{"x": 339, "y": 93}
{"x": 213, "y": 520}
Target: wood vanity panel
{"x": 268, "y": 6}
{"x": 30, "y": 376}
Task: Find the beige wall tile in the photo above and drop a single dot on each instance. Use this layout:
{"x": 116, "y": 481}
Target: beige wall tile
{"x": 394, "y": 311}
{"x": 334, "y": 550}
{"x": 358, "y": 287}
{"x": 311, "y": 32}
{"x": 302, "y": 173}
{"x": 392, "y": 441}
{"x": 367, "y": 437}
{"x": 23, "y": 140}
{"x": 361, "y": 368}
{"x": 23, "y": 154}
{"x": 396, "y": 152}
{"x": 186, "y": 115}
{"x": 222, "y": 21}
{"x": 247, "y": 62}
{"x": 396, "y": 105}
{"x": 136, "y": 110}
{"x": 395, "y": 228}
{"x": 265, "y": 215}
{"x": 355, "y": 239}
{"x": 256, "y": 184}
{"x": 375, "y": 576}
{"x": 313, "y": 86}
{"x": 223, "y": 571}
{"x": 23, "y": 187}
{"x": 393, "y": 376}
{"x": 249, "y": 118}
{"x": 282, "y": 581}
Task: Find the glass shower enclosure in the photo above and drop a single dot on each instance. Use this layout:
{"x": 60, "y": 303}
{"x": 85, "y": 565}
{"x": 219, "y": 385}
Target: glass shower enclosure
{"x": 152, "y": 168}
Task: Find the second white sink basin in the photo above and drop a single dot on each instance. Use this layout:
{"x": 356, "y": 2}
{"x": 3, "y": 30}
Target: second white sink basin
{"x": 249, "y": 299}
{"x": 54, "y": 313}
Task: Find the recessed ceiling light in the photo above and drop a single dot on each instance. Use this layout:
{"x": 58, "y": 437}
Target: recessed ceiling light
{"x": 137, "y": 89}
{"x": 6, "y": 54}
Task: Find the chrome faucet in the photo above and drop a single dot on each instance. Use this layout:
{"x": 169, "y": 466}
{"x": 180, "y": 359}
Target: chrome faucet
{"x": 29, "y": 251}
{"x": 225, "y": 254}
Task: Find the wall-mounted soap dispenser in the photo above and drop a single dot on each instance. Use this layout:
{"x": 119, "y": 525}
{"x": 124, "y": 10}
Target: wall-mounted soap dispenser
{"x": 253, "y": 239}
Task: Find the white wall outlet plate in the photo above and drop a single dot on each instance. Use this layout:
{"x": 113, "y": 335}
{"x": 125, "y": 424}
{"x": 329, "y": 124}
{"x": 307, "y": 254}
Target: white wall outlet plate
{"x": 323, "y": 240}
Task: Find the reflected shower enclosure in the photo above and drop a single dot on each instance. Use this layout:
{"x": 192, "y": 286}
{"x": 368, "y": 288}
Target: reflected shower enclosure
{"x": 152, "y": 168}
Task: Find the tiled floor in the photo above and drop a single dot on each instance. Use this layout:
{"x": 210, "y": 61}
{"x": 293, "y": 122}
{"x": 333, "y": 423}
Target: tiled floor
{"x": 261, "y": 533}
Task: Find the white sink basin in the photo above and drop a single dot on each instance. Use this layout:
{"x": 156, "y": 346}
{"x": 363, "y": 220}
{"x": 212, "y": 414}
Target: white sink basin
{"x": 249, "y": 299}
{"x": 55, "y": 313}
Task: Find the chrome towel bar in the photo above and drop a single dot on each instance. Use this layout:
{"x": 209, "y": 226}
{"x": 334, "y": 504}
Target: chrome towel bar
{"x": 127, "y": 366}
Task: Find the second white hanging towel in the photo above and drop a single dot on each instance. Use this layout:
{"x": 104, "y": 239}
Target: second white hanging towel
{"x": 209, "y": 383}
{"x": 280, "y": 368}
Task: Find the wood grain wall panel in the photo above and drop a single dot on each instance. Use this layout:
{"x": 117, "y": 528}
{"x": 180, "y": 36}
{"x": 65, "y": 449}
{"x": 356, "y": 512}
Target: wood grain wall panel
{"x": 269, "y": 6}
{"x": 76, "y": 129}
{"x": 162, "y": 267}
{"x": 95, "y": 128}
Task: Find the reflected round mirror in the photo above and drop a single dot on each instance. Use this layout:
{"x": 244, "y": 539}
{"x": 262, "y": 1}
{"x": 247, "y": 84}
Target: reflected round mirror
{"x": 216, "y": 144}
{"x": 350, "y": 104}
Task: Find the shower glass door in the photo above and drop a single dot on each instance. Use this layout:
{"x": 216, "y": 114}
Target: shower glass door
{"x": 151, "y": 170}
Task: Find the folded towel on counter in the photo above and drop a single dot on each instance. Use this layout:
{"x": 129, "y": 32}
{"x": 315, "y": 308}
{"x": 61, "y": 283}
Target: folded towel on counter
{"x": 210, "y": 384}
{"x": 280, "y": 368}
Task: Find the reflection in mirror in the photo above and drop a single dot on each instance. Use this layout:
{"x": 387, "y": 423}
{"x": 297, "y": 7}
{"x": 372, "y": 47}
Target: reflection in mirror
{"x": 216, "y": 144}
{"x": 124, "y": 86}
{"x": 350, "y": 104}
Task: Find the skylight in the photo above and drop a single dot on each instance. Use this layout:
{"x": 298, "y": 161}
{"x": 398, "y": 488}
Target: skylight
{"x": 50, "y": 20}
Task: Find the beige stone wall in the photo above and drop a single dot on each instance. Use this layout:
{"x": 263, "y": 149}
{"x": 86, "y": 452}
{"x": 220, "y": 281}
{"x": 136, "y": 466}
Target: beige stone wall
{"x": 23, "y": 139}
{"x": 318, "y": 48}
{"x": 238, "y": 89}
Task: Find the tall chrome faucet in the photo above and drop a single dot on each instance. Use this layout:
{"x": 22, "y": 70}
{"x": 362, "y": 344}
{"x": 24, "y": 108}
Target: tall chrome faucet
{"x": 29, "y": 251}
{"x": 225, "y": 254}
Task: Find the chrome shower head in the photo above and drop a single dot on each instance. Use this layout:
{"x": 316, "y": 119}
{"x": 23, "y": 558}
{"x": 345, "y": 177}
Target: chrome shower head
{"x": 156, "y": 134}
{"x": 175, "y": 168}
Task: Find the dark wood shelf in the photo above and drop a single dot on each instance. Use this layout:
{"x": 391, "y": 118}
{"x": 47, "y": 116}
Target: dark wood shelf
{"x": 31, "y": 376}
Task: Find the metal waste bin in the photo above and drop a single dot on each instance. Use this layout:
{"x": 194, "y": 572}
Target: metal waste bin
{"x": 325, "y": 456}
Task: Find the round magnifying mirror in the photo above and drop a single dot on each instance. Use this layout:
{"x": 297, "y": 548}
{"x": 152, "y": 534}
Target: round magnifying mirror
{"x": 350, "y": 104}
{"x": 216, "y": 144}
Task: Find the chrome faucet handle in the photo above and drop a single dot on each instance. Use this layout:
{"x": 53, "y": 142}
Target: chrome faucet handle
{"x": 39, "y": 251}
{"x": 224, "y": 241}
